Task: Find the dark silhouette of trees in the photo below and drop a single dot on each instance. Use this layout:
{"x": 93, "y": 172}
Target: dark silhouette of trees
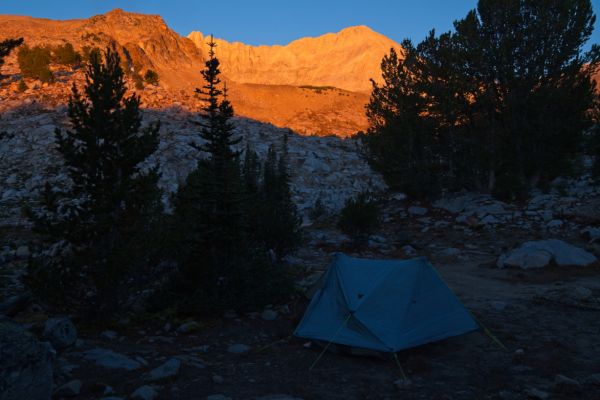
{"x": 6, "y": 46}
{"x": 498, "y": 105}
{"x": 222, "y": 258}
{"x": 102, "y": 225}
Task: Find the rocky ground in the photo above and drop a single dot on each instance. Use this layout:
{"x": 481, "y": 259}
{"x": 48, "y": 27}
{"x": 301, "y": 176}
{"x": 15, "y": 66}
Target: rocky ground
{"x": 545, "y": 318}
{"x": 527, "y": 271}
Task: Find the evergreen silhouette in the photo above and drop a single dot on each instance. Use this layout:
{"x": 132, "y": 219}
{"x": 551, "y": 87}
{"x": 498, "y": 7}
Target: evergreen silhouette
{"x": 280, "y": 222}
{"x": 105, "y": 218}
{"x": 6, "y": 46}
{"x": 223, "y": 262}
{"x": 499, "y": 105}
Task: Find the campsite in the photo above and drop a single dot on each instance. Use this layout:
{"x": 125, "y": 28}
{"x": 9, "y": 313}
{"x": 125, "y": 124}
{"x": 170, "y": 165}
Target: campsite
{"x": 550, "y": 338}
{"x": 300, "y": 200}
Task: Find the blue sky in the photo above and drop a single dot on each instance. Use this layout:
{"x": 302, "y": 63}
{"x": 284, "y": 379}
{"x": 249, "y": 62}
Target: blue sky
{"x": 272, "y": 21}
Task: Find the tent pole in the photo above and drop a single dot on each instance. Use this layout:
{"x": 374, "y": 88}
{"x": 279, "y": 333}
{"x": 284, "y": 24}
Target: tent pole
{"x": 399, "y": 365}
{"x": 330, "y": 341}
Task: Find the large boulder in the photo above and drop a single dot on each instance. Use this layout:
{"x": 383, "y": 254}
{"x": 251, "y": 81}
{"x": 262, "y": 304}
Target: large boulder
{"x": 541, "y": 253}
{"x": 25, "y": 364}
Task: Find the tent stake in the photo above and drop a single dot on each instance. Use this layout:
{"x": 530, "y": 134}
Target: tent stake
{"x": 491, "y": 336}
{"x": 330, "y": 341}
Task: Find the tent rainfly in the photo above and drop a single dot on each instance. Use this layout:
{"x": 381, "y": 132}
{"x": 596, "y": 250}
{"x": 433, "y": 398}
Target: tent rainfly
{"x": 383, "y": 305}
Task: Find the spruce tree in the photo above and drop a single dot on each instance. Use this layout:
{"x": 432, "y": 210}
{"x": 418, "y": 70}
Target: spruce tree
{"x": 106, "y": 216}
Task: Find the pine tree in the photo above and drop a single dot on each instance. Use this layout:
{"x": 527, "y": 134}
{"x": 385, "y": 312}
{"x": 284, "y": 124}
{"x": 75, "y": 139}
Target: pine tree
{"x": 222, "y": 196}
{"x": 107, "y": 214}
{"x": 280, "y": 219}
{"x": 401, "y": 137}
{"x": 223, "y": 265}
{"x": 498, "y": 105}
{"x": 6, "y": 46}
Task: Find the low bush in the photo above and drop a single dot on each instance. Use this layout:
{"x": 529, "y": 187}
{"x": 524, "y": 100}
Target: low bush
{"x": 359, "y": 217}
{"x": 151, "y": 77}
{"x": 34, "y": 62}
{"x": 65, "y": 55}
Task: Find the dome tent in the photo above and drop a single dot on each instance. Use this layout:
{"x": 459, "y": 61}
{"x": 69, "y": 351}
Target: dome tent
{"x": 383, "y": 305}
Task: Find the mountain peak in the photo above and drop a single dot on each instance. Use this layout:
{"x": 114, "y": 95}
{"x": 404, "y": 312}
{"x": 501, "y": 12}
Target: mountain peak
{"x": 357, "y": 29}
{"x": 347, "y": 59}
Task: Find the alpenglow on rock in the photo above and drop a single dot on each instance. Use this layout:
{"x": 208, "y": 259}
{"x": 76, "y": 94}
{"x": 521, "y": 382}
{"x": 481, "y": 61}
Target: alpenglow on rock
{"x": 541, "y": 253}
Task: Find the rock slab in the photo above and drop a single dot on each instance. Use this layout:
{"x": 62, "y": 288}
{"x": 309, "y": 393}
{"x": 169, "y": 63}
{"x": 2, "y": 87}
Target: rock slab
{"x": 541, "y": 253}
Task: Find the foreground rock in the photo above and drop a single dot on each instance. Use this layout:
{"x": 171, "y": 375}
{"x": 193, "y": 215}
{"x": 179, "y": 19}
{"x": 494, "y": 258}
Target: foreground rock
{"x": 145, "y": 393}
{"x": 541, "y": 253}
{"x": 69, "y": 389}
{"x": 110, "y": 359}
{"x": 25, "y": 364}
{"x": 167, "y": 370}
{"x": 60, "y": 332}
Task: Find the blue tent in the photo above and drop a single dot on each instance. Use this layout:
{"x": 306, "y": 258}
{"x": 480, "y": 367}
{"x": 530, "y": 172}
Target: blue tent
{"x": 383, "y": 305}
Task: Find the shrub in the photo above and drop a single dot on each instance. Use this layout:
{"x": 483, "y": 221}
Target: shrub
{"x": 318, "y": 210}
{"x": 139, "y": 82}
{"x": 359, "y": 217}
{"x": 22, "y": 86}
{"x": 34, "y": 62}
{"x": 66, "y": 55}
{"x": 151, "y": 77}
{"x": 87, "y": 52}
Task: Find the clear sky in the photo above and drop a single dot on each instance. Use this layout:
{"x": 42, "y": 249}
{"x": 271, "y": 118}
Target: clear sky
{"x": 272, "y": 21}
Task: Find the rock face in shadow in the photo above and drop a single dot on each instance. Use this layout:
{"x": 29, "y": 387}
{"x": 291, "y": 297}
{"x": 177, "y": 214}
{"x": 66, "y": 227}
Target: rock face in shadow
{"x": 25, "y": 364}
{"x": 328, "y": 169}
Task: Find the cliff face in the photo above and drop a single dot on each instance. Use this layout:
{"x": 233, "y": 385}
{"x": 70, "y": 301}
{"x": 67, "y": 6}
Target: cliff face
{"x": 346, "y": 59}
{"x": 145, "y": 40}
{"x": 312, "y": 85}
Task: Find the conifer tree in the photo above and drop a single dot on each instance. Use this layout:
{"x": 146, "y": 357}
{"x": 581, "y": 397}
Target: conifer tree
{"x": 6, "y": 46}
{"x": 106, "y": 216}
{"x": 280, "y": 220}
{"x": 500, "y": 104}
{"x": 223, "y": 265}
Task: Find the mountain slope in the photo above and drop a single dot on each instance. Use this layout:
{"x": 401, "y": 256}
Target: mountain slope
{"x": 347, "y": 59}
{"x": 145, "y": 40}
{"x": 281, "y": 85}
